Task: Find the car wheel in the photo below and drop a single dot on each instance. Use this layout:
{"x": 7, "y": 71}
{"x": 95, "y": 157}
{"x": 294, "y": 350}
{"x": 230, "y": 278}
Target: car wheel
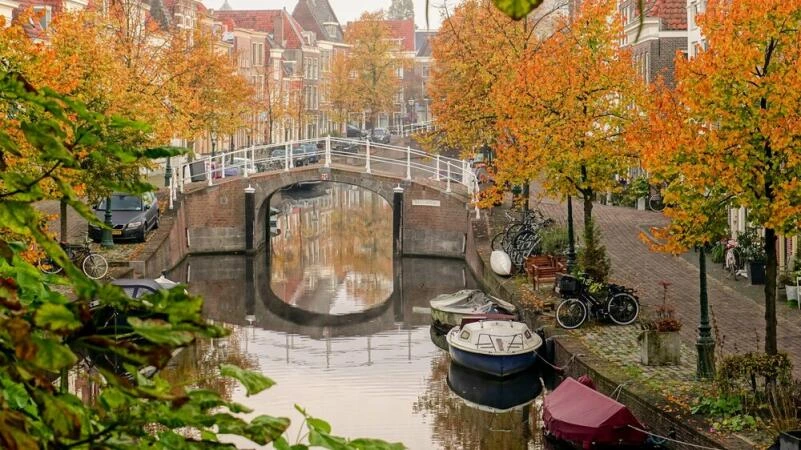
{"x": 156, "y": 222}
{"x": 142, "y": 234}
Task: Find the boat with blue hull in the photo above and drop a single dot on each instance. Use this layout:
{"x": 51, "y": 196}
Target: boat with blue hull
{"x": 496, "y": 347}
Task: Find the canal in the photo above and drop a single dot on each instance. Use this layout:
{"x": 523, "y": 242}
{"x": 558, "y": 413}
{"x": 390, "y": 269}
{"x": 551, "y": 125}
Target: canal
{"x": 344, "y": 331}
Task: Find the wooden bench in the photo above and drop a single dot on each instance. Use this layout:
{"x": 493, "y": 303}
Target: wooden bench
{"x": 543, "y": 268}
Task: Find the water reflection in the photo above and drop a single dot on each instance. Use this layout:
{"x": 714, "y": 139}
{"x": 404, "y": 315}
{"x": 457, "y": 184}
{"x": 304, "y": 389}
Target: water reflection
{"x": 334, "y": 253}
{"x": 339, "y": 328}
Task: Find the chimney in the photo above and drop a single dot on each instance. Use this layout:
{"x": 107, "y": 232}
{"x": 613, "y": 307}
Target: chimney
{"x": 278, "y": 29}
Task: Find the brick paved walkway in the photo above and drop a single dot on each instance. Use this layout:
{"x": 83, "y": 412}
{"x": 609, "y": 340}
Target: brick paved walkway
{"x": 738, "y": 310}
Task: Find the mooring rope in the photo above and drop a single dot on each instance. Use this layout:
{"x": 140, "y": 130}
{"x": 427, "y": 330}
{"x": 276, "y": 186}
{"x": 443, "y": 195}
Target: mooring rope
{"x": 563, "y": 368}
{"x": 673, "y": 440}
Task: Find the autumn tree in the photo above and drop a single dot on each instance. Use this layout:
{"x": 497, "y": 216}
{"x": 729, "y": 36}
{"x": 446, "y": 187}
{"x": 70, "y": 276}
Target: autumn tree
{"x": 374, "y": 63}
{"x": 341, "y": 97}
{"x": 567, "y": 108}
{"x": 742, "y": 95}
{"x": 476, "y": 48}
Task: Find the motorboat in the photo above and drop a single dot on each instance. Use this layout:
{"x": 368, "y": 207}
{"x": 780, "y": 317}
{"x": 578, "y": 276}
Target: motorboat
{"x": 495, "y": 347}
{"x": 576, "y": 413}
{"x": 492, "y": 394}
{"x": 448, "y": 310}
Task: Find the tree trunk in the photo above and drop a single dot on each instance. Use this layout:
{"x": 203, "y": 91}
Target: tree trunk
{"x": 63, "y": 213}
{"x": 771, "y": 263}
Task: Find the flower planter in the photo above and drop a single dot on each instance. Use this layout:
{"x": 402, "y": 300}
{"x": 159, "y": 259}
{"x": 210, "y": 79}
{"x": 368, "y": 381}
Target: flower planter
{"x": 660, "y": 348}
{"x": 756, "y": 272}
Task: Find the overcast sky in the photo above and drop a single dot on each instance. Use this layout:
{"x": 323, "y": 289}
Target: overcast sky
{"x": 346, "y": 10}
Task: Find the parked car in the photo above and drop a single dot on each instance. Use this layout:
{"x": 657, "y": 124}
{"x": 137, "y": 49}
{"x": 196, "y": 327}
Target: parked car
{"x": 355, "y": 132}
{"x": 302, "y": 155}
{"x": 132, "y": 215}
{"x": 380, "y": 135}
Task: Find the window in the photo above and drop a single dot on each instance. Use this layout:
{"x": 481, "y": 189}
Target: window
{"x": 325, "y": 61}
{"x": 43, "y": 14}
{"x": 257, "y": 50}
{"x": 399, "y": 72}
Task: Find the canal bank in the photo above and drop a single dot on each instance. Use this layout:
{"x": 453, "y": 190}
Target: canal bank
{"x": 608, "y": 354}
{"x": 580, "y": 354}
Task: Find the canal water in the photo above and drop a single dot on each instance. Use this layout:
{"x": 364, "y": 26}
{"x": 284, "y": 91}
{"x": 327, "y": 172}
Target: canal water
{"x": 344, "y": 332}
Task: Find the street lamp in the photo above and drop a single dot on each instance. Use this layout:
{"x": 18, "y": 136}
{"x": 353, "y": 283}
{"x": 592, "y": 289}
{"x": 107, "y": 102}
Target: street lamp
{"x": 106, "y": 239}
{"x": 571, "y": 240}
{"x": 213, "y": 142}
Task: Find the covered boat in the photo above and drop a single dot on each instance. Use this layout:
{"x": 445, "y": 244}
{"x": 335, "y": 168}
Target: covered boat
{"x": 491, "y": 394}
{"x": 495, "y": 347}
{"x": 579, "y": 414}
{"x": 448, "y": 310}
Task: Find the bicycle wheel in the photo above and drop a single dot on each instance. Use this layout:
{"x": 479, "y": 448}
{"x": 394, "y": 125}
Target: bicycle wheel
{"x": 655, "y": 204}
{"x": 95, "y": 266}
{"x": 623, "y": 309}
{"x": 49, "y": 266}
{"x": 571, "y": 313}
{"x": 497, "y": 241}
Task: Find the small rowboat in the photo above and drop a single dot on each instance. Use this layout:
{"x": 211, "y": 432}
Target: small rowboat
{"x": 495, "y": 347}
{"x": 448, "y": 310}
{"x": 578, "y": 414}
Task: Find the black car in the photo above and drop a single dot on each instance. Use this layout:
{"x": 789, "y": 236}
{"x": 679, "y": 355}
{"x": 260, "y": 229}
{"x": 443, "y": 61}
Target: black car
{"x": 380, "y": 135}
{"x": 355, "y": 132}
{"x": 132, "y": 216}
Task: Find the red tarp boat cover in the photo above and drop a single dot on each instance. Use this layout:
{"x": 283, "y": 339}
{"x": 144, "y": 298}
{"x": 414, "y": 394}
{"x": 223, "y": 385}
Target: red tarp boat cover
{"x": 577, "y": 413}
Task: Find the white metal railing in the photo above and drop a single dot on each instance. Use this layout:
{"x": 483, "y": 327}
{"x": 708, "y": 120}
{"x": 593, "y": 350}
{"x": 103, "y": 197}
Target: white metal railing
{"x": 413, "y": 128}
{"x": 402, "y": 162}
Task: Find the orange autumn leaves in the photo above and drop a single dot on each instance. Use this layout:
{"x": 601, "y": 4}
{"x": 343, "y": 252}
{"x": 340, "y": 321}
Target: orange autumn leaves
{"x": 552, "y": 94}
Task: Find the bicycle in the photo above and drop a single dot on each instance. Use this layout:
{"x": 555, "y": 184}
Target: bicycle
{"x": 94, "y": 265}
{"x": 655, "y": 200}
{"x": 517, "y": 231}
{"x": 734, "y": 263}
{"x": 620, "y": 304}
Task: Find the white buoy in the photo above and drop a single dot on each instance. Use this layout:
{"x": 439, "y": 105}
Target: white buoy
{"x": 501, "y": 263}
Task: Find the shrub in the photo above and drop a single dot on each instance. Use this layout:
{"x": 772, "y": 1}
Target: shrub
{"x": 592, "y": 258}
{"x": 554, "y": 240}
{"x": 718, "y": 253}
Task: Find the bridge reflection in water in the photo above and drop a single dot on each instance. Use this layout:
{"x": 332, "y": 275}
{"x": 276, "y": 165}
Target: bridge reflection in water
{"x": 336, "y": 323}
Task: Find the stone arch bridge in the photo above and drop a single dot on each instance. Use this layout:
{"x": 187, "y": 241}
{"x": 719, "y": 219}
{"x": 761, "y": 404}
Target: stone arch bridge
{"x": 225, "y": 198}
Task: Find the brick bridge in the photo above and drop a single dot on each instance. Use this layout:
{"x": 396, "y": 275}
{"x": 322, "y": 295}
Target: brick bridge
{"x": 435, "y": 201}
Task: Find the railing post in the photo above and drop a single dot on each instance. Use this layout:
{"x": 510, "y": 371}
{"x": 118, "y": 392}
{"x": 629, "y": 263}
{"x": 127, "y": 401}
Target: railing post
{"x": 286, "y": 157}
{"x": 253, "y": 158}
{"x": 408, "y": 162}
{"x": 367, "y": 167}
{"x": 210, "y": 171}
{"x": 182, "y": 177}
{"x": 246, "y": 168}
{"x": 291, "y": 155}
{"x": 448, "y": 189}
{"x": 222, "y": 166}
{"x": 465, "y": 169}
{"x": 328, "y": 151}
{"x": 172, "y": 192}
{"x": 437, "y": 176}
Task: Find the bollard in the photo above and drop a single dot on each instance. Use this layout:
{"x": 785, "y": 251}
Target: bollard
{"x": 397, "y": 222}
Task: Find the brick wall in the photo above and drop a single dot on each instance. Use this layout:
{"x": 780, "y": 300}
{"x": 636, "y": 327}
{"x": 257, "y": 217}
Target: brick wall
{"x": 661, "y": 57}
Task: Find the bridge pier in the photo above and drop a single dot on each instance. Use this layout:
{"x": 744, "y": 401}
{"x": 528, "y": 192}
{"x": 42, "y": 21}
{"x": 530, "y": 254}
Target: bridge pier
{"x": 397, "y": 222}
{"x": 250, "y": 218}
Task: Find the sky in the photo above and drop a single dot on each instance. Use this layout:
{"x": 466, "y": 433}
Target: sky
{"x": 346, "y": 10}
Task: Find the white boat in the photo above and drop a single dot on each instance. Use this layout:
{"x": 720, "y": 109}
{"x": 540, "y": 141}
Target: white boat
{"x": 495, "y": 347}
{"x": 448, "y": 310}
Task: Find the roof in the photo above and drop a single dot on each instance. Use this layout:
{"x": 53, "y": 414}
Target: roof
{"x": 422, "y": 42}
{"x": 403, "y": 30}
{"x": 265, "y": 20}
{"x": 672, "y": 12}
{"x": 313, "y": 15}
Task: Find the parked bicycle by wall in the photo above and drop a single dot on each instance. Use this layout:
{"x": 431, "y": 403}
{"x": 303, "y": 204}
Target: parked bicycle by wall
{"x": 94, "y": 265}
{"x": 612, "y": 301}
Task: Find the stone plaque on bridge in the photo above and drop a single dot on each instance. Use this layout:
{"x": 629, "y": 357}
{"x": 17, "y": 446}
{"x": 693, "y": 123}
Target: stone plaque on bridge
{"x": 420, "y": 202}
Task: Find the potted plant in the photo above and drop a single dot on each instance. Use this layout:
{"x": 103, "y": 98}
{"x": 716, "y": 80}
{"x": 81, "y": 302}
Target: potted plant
{"x": 660, "y": 344}
{"x": 787, "y": 279}
{"x": 754, "y": 252}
